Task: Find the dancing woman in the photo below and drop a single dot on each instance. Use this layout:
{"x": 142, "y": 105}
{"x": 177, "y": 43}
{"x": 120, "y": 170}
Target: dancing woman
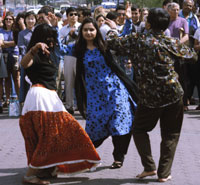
{"x": 54, "y": 140}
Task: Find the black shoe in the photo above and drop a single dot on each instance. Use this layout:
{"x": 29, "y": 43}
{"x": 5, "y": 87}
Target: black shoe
{"x": 116, "y": 164}
{"x": 1, "y": 109}
{"x": 71, "y": 111}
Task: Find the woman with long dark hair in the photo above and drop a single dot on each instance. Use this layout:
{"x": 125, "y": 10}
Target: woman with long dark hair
{"x": 105, "y": 95}
{"x": 10, "y": 52}
{"x": 54, "y": 140}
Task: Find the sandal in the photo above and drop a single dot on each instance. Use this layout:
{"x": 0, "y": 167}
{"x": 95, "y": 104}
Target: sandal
{"x": 165, "y": 179}
{"x": 34, "y": 180}
{"x": 146, "y": 174}
{"x": 116, "y": 164}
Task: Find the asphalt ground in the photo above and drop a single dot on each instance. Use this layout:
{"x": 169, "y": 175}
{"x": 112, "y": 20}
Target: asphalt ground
{"x": 185, "y": 169}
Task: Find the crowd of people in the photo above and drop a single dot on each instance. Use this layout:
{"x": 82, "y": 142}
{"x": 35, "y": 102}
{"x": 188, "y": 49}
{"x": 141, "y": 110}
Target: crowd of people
{"x": 123, "y": 70}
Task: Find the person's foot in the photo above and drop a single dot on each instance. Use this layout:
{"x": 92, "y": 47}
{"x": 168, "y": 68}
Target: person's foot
{"x": 146, "y": 174}
{"x": 6, "y": 104}
{"x": 165, "y": 179}
{"x": 185, "y": 108}
{"x": 198, "y": 108}
{"x": 34, "y": 180}
{"x": 116, "y": 164}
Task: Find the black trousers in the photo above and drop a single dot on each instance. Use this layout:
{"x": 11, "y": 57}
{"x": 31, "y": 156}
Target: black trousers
{"x": 120, "y": 143}
{"x": 183, "y": 73}
{"x": 171, "y": 118}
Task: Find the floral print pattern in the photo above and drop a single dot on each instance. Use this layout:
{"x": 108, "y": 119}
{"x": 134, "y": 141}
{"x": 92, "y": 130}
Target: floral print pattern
{"x": 108, "y": 101}
{"x": 153, "y": 57}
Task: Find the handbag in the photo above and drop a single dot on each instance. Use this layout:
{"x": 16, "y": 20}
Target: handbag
{"x": 14, "y": 108}
{"x": 3, "y": 66}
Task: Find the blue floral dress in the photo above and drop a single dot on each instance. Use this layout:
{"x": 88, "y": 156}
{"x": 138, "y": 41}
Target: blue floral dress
{"x": 109, "y": 109}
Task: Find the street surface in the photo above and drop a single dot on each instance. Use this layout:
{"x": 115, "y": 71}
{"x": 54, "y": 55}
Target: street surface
{"x": 185, "y": 170}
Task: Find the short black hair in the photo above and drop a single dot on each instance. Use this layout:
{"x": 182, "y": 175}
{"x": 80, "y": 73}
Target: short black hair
{"x": 112, "y": 15}
{"x": 158, "y": 18}
{"x": 70, "y": 9}
{"x": 87, "y": 12}
{"x": 134, "y": 7}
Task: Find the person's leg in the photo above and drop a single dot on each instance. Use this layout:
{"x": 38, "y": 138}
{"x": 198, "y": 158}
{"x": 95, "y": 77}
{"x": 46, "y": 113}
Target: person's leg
{"x": 7, "y": 89}
{"x": 1, "y": 94}
{"x": 69, "y": 63}
{"x": 58, "y": 79}
{"x": 98, "y": 142}
{"x": 145, "y": 120}
{"x": 198, "y": 91}
{"x": 31, "y": 177}
{"x": 22, "y": 85}
{"x": 16, "y": 79}
{"x": 170, "y": 123}
{"x": 121, "y": 144}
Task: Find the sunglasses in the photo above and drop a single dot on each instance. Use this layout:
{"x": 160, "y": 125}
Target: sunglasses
{"x": 71, "y": 14}
{"x": 8, "y": 19}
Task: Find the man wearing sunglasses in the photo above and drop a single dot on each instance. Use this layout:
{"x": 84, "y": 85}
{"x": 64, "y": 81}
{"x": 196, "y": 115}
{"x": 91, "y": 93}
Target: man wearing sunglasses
{"x": 68, "y": 34}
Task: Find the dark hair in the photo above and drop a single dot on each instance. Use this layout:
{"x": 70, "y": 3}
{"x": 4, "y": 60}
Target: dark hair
{"x": 41, "y": 33}
{"x": 134, "y": 7}
{"x": 81, "y": 45}
{"x": 112, "y": 15}
{"x": 16, "y": 26}
{"x": 47, "y": 8}
{"x": 159, "y": 19}
{"x": 120, "y": 7}
{"x": 165, "y": 2}
{"x": 8, "y": 14}
{"x": 28, "y": 14}
{"x": 70, "y": 9}
{"x": 58, "y": 14}
{"x": 86, "y": 12}
{"x": 100, "y": 15}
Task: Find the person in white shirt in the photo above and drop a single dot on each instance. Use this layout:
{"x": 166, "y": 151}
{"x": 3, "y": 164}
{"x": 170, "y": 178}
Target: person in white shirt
{"x": 68, "y": 35}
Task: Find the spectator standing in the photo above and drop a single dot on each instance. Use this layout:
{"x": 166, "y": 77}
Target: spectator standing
{"x": 195, "y": 76}
{"x": 193, "y": 24}
{"x": 83, "y": 12}
{"x": 68, "y": 34}
{"x": 11, "y": 53}
{"x": 121, "y": 17}
{"x": 178, "y": 27}
{"x": 30, "y": 20}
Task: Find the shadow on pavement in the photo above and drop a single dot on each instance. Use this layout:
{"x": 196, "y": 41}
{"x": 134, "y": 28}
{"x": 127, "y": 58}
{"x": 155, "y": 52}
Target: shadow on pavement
{"x": 193, "y": 114}
{"x": 12, "y": 176}
{"x": 99, "y": 181}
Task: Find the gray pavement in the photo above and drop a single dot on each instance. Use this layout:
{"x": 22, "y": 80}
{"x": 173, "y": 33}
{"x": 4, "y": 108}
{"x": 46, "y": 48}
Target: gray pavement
{"x": 185, "y": 170}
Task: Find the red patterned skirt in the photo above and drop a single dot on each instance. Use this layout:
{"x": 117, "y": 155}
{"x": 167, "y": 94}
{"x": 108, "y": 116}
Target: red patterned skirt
{"x": 53, "y": 137}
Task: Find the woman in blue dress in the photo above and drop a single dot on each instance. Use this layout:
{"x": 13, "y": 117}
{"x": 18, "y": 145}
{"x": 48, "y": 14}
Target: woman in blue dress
{"x": 105, "y": 95}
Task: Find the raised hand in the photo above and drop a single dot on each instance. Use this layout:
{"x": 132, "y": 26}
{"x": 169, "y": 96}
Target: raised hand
{"x": 53, "y": 19}
{"x": 128, "y": 12}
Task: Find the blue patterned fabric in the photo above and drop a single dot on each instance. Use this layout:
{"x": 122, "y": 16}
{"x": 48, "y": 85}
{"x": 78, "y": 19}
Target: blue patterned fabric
{"x": 108, "y": 101}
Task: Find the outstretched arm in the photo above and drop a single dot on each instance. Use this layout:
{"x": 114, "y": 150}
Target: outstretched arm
{"x": 27, "y": 60}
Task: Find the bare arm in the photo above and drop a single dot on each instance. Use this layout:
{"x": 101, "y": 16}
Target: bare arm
{"x": 27, "y": 60}
{"x": 7, "y": 44}
{"x": 196, "y": 45}
{"x": 184, "y": 39}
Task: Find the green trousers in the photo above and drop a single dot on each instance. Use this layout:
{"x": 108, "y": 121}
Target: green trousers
{"x": 171, "y": 118}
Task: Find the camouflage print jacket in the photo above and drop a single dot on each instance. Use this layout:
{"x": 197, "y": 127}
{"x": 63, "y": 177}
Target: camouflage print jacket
{"x": 153, "y": 56}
